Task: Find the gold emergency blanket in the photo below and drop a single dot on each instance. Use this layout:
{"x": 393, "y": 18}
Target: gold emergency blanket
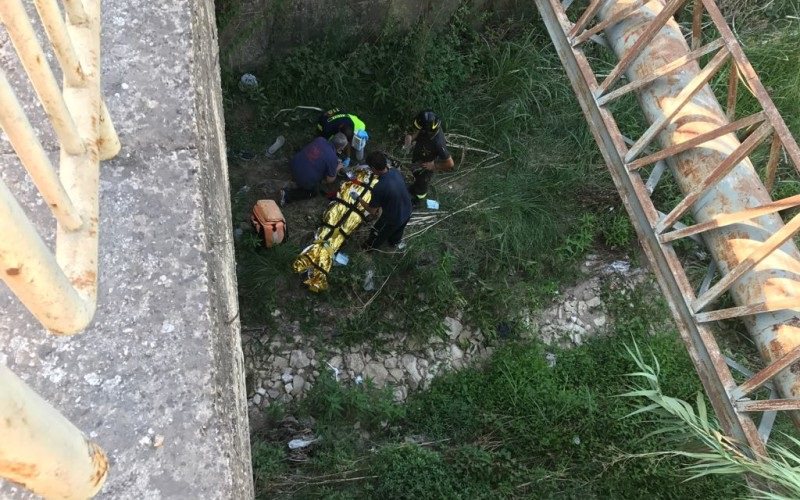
{"x": 340, "y": 220}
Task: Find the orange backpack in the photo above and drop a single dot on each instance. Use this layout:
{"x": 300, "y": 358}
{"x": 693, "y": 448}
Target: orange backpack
{"x": 269, "y": 223}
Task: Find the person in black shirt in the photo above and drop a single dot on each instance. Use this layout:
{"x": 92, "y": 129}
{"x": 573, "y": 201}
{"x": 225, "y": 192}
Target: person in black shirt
{"x": 336, "y": 120}
{"x": 391, "y": 198}
{"x": 429, "y": 153}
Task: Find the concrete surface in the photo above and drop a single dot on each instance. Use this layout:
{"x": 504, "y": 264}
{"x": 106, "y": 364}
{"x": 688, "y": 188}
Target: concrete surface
{"x": 163, "y": 355}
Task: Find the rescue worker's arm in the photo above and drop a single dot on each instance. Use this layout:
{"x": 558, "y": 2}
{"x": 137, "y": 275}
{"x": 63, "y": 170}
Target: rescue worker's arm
{"x": 438, "y": 164}
{"x": 330, "y": 178}
{"x": 443, "y": 161}
{"x": 410, "y": 138}
{"x": 365, "y": 206}
{"x": 447, "y": 164}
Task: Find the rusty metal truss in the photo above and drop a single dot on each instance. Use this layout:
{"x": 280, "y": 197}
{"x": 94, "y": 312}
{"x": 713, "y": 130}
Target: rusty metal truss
{"x": 726, "y": 203}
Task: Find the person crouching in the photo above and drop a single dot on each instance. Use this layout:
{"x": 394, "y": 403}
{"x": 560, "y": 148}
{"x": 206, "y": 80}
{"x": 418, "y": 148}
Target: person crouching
{"x": 318, "y": 161}
{"x": 390, "y": 197}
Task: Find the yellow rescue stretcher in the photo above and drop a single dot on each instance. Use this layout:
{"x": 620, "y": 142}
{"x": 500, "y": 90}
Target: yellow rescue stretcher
{"x": 340, "y": 220}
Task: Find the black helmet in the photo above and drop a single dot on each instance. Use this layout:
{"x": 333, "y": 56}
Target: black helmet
{"x": 427, "y": 120}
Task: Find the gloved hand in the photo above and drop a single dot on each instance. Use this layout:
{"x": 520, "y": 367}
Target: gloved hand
{"x": 346, "y": 162}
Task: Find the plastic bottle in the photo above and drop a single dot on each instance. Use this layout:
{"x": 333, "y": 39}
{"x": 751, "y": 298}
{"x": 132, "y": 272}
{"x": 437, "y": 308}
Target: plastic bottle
{"x": 360, "y": 143}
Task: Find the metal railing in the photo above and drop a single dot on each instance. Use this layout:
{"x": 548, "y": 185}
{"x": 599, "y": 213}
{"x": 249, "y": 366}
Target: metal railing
{"x": 733, "y": 216}
{"x": 61, "y": 290}
{"x": 39, "y": 448}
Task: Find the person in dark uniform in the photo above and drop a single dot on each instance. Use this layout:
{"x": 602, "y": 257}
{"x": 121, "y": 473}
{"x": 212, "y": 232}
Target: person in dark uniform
{"x": 391, "y": 198}
{"x": 429, "y": 153}
{"x": 315, "y": 163}
{"x": 335, "y": 120}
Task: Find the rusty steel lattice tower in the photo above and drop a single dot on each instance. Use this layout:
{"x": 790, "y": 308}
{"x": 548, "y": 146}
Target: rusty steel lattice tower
{"x": 707, "y": 151}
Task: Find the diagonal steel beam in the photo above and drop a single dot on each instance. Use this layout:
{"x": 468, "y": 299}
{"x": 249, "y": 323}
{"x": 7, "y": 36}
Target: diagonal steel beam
{"x": 661, "y": 72}
{"x": 681, "y": 100}
{"x": 702, "y": 348}
{"x": 723, "y": 220}
{"x": 697, "y": 140}
{"x": 748, "y": 264}
{"x": 636, "y": 49}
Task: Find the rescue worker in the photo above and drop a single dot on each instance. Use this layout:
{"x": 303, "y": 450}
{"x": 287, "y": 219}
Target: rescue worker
{"x": 316, "y": 162}
{"x": 429, "y": 153}
{"x": 389, "y": 197}
{"x": 335, "y": 120}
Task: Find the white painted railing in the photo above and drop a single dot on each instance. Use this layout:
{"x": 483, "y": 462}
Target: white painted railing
{"x": 61, "y": 289}
{"x": 39, "y": 448}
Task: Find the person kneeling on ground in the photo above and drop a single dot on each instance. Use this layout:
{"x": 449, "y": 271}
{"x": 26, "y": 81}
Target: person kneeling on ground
{"x": 390, "y": 197}
{"x": 336, "y": 120}
{"x": 429, "y": 153}
{"x": 311, "y": 165}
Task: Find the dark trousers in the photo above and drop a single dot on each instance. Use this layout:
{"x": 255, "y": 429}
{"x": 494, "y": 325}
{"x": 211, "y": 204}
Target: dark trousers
{"x": 299, "y": 193}
{"x": 384, "y": 232}
{"x": 422, "y": 179}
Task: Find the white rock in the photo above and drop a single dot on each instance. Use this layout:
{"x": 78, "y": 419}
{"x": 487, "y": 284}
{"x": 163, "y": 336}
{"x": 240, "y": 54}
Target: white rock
{"x": 297, "y": 385}
{"x": 390, "y": 362}
{"x": 409, "y": 363}
{"x": 299, "y": 359}
{"x": 335, "y": 362}
{"x": 355, "y": 362}
{"x": 453, "y": 326}
{"x": 280, "y": 362}
{"x": 287, "y": 377}
{"x": 601, "y": 321}
{"x": 400, "y": 393}
{"x": 257, "y": 399}
{"x": 377, "y": 372}
{"x": 261, "y": 391}
{"x": 274, "y": 393}
{"x": 456, "y": 352}
{"x": 288, "y": 388}
{"x": 594, "y": 302}
{"x": 397, "y": 374}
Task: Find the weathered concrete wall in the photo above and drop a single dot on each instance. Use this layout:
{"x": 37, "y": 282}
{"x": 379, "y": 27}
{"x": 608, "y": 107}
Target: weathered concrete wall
{"x": 162, "y": 358}
{"x": 259, "y": 27}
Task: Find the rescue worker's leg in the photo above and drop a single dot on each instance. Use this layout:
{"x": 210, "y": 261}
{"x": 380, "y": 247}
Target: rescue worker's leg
{"x": 419, "y": 189}
{"x": 379, "y": 234}
{"x": 293, "y": 192}
{"x": 396, "y": 237}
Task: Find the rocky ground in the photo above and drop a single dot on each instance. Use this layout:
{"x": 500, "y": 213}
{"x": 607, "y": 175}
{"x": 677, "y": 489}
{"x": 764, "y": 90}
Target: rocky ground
{"x": 284, "y": 370}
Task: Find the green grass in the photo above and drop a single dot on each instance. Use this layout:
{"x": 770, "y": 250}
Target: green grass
{"x": 502, "y": 87}
{"x": 515, "y": 428}
{"x": 512, "y": 429}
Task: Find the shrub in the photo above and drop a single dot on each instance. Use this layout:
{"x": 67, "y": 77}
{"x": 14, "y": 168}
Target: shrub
{"x": 412, "y": 472}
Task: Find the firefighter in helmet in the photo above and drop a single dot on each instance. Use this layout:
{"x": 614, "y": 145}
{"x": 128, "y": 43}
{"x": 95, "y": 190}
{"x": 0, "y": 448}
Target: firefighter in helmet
{"x": 429, "y": 153}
